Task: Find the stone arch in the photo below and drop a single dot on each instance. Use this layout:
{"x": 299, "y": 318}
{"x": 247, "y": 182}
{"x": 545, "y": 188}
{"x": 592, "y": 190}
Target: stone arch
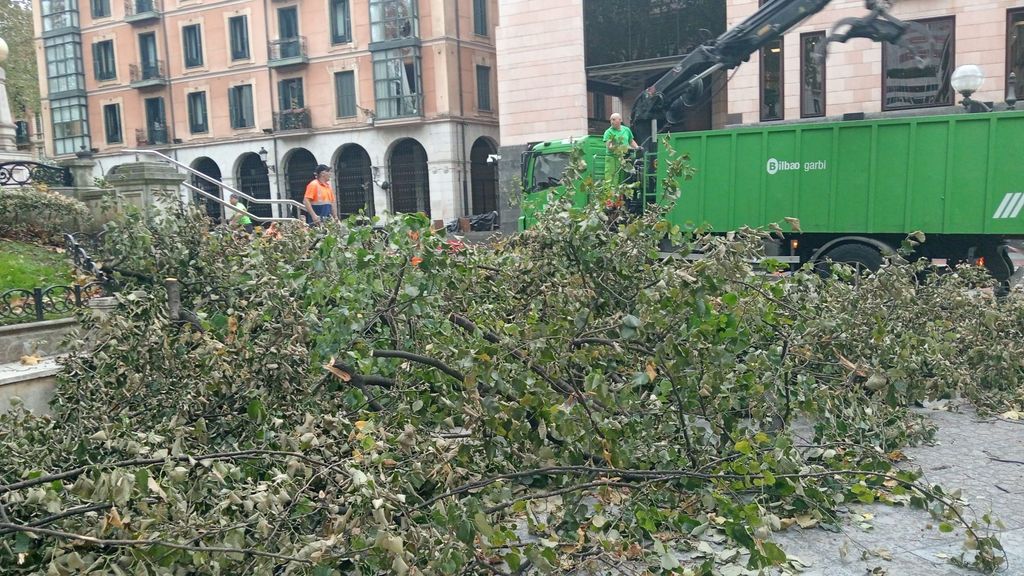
{"x": 354, "y": 173}
{"x": 410, "y": 180}
{"x": 299, "y": 165}
{"x": 209, "y": 167}
{"x": 483, "y": 176}
{"x": 254, "y": 180}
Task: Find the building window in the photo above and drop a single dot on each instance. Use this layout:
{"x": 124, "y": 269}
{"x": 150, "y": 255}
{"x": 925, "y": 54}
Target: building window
{"x": 100, "y": 8}
{"x": 600, "y": 109}
{"x": 103, "y": 64}
{"x": 192, "y": 42}
{"x": 239, "y": 29}
{"x": 1015, "y": 48}
{"x": 240, "y": 106}
{"x": 112, "y": 123}
{"x": 916, "y": 73}
{"x": 771, "y": 81}
{"x": 396, "y": 82}
{"x": 59, "y": 14}
{"x": 341, "y": 22}
{"x": 345, "y": 93}
{"x": 393, "y": 20}
{"x": 290, "y": 95}
{"x": 480, "y": 17}
{"x": 483, "y": 87}
{"x": 70, "y": 124}
{"x": 812, "y": 75}
{"x": 64, "y": 71}
{"x": 197, "y": 117}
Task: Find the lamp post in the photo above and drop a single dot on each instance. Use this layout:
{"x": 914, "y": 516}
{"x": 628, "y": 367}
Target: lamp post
{"x": 263, "y": 158}
{"x": 1011, "y": 91}
{"x": 966, "y": 80}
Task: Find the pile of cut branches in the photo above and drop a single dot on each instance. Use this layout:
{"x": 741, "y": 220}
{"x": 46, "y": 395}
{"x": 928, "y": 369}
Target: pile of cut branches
{"x": 368, "y": 400}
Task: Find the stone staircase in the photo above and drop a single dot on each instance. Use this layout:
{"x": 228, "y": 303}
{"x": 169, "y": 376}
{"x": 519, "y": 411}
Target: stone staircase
{"x": 28, "y": 362}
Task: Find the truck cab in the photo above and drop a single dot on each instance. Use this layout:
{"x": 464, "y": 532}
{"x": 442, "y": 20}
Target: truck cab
{"x": 544, "y": 167}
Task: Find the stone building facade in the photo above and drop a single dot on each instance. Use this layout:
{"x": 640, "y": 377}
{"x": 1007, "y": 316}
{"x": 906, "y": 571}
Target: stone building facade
{"x": 396, "y": 95}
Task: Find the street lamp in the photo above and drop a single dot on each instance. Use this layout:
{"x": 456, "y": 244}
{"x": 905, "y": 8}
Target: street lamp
{"x": 966, "y": 80}
{"x": 263, "y": 158}
{"x": 1011, "y": 91}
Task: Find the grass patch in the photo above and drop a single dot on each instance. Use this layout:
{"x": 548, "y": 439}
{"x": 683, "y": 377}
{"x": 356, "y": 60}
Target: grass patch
{"x": 29, "y": 266}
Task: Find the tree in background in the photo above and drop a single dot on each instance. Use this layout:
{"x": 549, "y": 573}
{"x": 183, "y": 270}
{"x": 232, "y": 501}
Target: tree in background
{"x": 22, "y": 73}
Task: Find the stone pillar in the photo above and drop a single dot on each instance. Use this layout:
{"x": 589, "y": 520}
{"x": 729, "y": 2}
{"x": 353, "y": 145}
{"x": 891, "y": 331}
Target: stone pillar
{"x": 8, "y": 134}
{"x": 151, "y": 186}
{"x": 82, "y": 172}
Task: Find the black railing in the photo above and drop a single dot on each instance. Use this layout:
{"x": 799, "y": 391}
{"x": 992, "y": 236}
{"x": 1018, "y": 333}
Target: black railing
{"x": 35, "y": 304}
{"x": 24, "y": 305}
{"x": 28, "y": 173}
{"x": 147, "y": 71}
{"x": 152, "y": 136}
{"x": 288, "y": 48}
{"x": 141, "y": 8}
{"x": 296, "y": 119}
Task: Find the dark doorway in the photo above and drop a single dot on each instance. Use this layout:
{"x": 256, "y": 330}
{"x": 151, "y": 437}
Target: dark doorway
{"x": 410, "y": 186}
{"x": 483, "y": 177}
{"x": 209, "y": 167}
{"x": 299, "y": 166}
{"x": 355, "y": 181}
{"x": 254, "y": 181}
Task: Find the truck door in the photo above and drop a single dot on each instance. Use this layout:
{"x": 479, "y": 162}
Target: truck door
{"x": 542, "y": 182}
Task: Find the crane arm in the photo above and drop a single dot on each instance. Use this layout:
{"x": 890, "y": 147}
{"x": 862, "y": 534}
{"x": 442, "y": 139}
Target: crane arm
{"x": 683, "y": 86}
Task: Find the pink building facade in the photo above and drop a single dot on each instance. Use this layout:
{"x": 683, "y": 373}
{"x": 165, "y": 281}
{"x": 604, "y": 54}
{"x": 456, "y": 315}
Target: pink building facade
{"x": 398, "y": 96}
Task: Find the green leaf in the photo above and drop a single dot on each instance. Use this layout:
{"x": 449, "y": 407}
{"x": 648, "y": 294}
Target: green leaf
{"x": 945, "y": 527}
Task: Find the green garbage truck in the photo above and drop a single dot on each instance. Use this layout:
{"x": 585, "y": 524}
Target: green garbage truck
{"x": 858, "y": 188}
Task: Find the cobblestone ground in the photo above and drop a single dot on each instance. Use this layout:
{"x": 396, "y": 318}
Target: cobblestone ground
{"x": 982, "y": 457}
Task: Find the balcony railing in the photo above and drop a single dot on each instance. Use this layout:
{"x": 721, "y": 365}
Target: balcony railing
{"x": 141, "y": 10}
{"x": 147, "y": 74}
{"x": 155, "y": 135}
{"x": 288, "y": 52}
{"x": 294, "y": 119}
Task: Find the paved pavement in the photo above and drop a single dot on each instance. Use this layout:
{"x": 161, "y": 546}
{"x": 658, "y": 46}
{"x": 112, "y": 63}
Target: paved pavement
{"x": 982, "y": 457}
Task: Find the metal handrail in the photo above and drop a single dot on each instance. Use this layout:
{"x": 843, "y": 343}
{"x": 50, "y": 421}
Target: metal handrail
{"x": 287, "y": 201}
{"x": 223, "y": 202}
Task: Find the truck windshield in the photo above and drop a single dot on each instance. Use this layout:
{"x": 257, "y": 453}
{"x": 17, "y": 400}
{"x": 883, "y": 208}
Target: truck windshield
{"x": 548, "y": 170}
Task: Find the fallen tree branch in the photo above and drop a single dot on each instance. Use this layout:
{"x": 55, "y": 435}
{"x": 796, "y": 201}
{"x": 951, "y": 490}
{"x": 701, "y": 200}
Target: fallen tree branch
{"x": 148, "y": 543}
{"x": 69, "y": 512}
{"x": 75, "y": 472}
{"x": 470, "y": 326}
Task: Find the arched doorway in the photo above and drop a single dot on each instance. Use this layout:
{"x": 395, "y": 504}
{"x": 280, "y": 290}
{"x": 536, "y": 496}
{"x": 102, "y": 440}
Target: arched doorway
{"x": 208, "y": 167}
{"x": 483, "y": 177}
{"x": 410, "y": 186}
{"x": 355, "y": 181}
{"x": 299, "y": 165}
{"x": 254, "y": 181}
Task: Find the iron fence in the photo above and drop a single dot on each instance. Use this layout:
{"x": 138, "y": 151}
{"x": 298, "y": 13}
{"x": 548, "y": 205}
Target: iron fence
{"x": 287, "y": 48}
{"x": 28, "y": 173}
{"x": 33, "y": 304}
{"x": 27, "y": 305}
{"x": 146, "y": 71}
{"x": 294, "y": 119}
{"x": 140, "y": 8}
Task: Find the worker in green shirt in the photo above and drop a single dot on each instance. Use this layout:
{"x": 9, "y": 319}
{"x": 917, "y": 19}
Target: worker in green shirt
{"x": 239, "y": 217}
{"x": 618, "y": 139}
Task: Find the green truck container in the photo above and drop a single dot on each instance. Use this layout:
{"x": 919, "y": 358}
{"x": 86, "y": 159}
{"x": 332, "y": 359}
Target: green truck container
{"x": 858, "y": 188}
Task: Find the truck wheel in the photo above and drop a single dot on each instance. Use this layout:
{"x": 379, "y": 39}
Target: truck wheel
{"x": 860, "y": 256}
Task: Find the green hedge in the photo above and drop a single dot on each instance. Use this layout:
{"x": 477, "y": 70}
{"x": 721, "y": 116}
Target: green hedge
{"x": 39, "y": 215}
